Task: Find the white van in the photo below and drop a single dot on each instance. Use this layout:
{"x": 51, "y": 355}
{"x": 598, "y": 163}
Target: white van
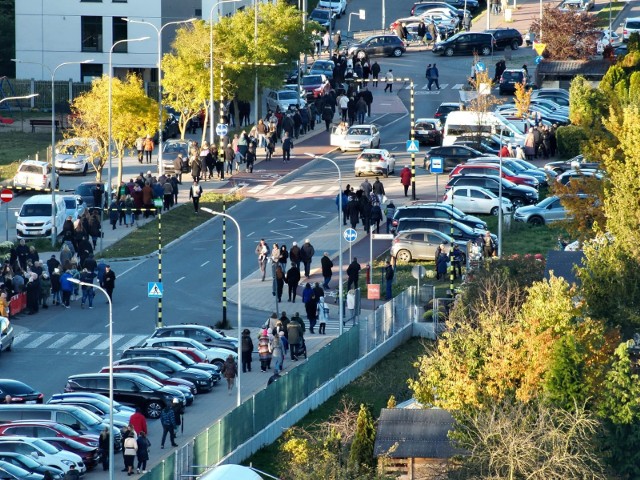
{"x": 466, "y": 122}
{"x": 34, "y": 218}
{"x": 231, "y": 472}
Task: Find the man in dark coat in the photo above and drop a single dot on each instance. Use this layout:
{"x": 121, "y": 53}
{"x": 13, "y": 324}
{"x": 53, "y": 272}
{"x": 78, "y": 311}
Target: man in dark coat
{"x": 294, "y": 254}
{"x": 109, "y": 281}
{"x": 327, "y": 266}
{"x": 353, "y": 272}
{"x": 353, "y": 209}
{"x": 375, "y": 73}
{"x": 306, "y": 255}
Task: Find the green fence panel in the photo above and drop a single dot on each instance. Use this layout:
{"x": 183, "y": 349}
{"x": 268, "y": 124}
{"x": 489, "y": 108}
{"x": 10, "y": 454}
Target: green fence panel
{"x": 263, "y": 408}
{"x": 165, "y": 470}
{"x": 236, "y": 428}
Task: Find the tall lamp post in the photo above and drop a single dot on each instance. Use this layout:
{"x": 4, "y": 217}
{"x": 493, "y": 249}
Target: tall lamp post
{"x": 225, "y": 215}
{"x": 54, "y": 233}
{"x": 213, "y": 7}
{"x": 110, "y": 325}
{"x": 159, "y": 34}
{"x": 125, "y": 40}
{"x": 318, "y": 157}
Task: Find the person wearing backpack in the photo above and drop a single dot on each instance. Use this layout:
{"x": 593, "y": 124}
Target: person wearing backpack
{"x": 287, "y": 145}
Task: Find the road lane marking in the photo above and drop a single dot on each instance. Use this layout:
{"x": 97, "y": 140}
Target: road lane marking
{"x": 85, "y": 341}
{"x": 272, "y": 220}
{"x": 256, "y": 189}
{"x": 104, "y": 345}
{"x": 457, "y": 86}
{"x": 315, "y": 188}
{"x": 249, "y": 234}
{"x": 62, "y": 341}
{"x": 292, "y": 207}
{"x": 180, "y": 279}
{"x": 204, "y": 263}
{"x": 134, "y": 308}
{"x": 394, "y": 148}
{"x": 40, "y": 340}
{"x": 133, "y": 342}
{"x": 21, "y": 338}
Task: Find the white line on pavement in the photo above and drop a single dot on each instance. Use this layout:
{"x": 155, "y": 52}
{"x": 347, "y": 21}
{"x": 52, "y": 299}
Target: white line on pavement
{"x": 249, "y": 234}
{"x": 204, "y": 263}
{"x": 272, "y": 220}
{"x": 105, "y": 344}
{"x": 85, "y": 341}
{"x": 293, "y": 207}
{"x": 179, "y": 280}
{"x": 134, "y": 308}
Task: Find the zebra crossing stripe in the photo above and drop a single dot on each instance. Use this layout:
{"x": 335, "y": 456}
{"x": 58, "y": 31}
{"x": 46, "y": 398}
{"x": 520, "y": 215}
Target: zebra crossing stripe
{"x": 315, "y": 188}
{"x": 40, "y": 340}
{"x": 23, "y": 337}
{"x": 257, "y": 188}
{"x": 61, "y": 341}
{"x": 105, "y": 344}
{"x": 293, "y": 190}
{"x": 133, "y": 342}
{"x": 457, "y": 86}
{"x": 86, "y": 341}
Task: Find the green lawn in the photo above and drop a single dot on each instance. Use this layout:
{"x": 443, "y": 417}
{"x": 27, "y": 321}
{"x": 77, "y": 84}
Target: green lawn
{"x": 175, "y": 223}
{"x": 522, "y": 238}
{"x": 389, "y": 377}
{"x": 603, "y": 15}
{"x": 17, "y": 146}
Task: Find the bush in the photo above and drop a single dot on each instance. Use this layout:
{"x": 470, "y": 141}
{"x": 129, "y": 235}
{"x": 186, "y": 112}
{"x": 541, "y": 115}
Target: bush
{"x": 570, "y": 140}
{"x": 634, "y": 42}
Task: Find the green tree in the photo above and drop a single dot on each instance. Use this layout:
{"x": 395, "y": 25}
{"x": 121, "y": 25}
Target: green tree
{"x": 564, "y": 382}
{"x": 588, "y": 105}
{"x": 134, "y": 114}
{"x": 361, "y": 453}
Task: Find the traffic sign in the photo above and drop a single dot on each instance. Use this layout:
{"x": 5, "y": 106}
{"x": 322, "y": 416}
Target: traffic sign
{"x": 413, "y": 146}
{"x": 222, "y": 129}
{"x": 539, "y": 47}
{"x": 437, "y": 165}
{"x": 382, "y": 236}
{"x": 154, "y": 289}
{"x": 6, "y": 195}
{"x": 350, "y": 235}
{"x": 373, "y": 291}
{"x": 418, "y": 272}
{"x": 481, "y": 67}
{"x": 539, "y": 59}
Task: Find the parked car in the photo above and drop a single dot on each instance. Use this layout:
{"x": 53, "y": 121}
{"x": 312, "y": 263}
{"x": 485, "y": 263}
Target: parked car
{"x": 141, "y": 392}
{"x": 315, "y": 86}
{"x": 558, "y": 95}
{"x": 171, "y": 128}
{"x": 85, "y": 191}
{"x": 323, "y": 16}
{"x": 30, "y": 464}
{"x": 9, "y": 471}
{"x": 174, "y": 355}
{"x": 209, "y": 337}
{"x": 422, "y": 6}
{"x": 547, "y": 211}
{"x": 420, "y": 244}
{"x": 472, "y": 5}
{"x": 518, "y": 194}
{"x": 357, "y": 137}
{"x": 494, "y": 169}
{"x": 453, "y": 228}
{"x": 34, "y": 218}
{"x": 90, "y": 455}
{"x": 19, "y": 392}
{"x": 202, "y": 380}
{"x": 436, "y": 210}
{"x": 517, "y": 168}
{"x": 445, "y": 25}
{"x": 488, "y": 145}
{"x": 214, "y": 355}
{"x": 452, "y": 155}
{"x": 466, "y": 43}
{"x": 283, "y": 100}
{"x": 95, "y": 403}
{"x": 576, "y": 5}
{"x": 6, "y": 336}
{"x": 35, "y": 175}
{"x": 170, "y": 151}
{"x": 374, "y": 161}
{"x": 77, "y": 155}
{"x": 337, "y": 6}
{"x": 154, "y": 374}
{"x": 579, "y": 175}
{"x": 477, "y": 200}
{"x": 506, "y": 37}
{"x": 428, "y": 131}
{"x": 386, "y": 44}
{"x": 443, "y": 110}
{"x": 44, "y": 452}
{"x": 510, "y": 78}
{"x": 322, "y": 67}
{"x": 75, "y": 206}
{"x": 579, "y": 162}
{"x": 42, "y": 429}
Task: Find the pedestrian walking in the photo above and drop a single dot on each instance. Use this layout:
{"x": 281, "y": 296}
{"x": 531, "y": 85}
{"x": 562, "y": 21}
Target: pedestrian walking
{"x": 405, "y": 179}
{"x": 230, "y": 372}
{"x": 390, "y": 211}
{"x": 262, "y": 251}
{"x": 130, "y": 450}
{"x": 139, "y": 150}
{"x": 375, "y": 73}
{"x": 138, "y": 421}
{"x": 195, "y": 192}
{"x": 277, "y": 350}
{"x": 323, "y": 316}
{"x": 388, "y": 277}
{"x": 103, "y": 447}
{"x": 293, "y": 279}
{"x": 143, "y": 452}
{"x": 433, "y": 34}
{"x": 389, "y": 80}
{"x": 287, "y": 145}
{"x": 294, "y": 335}
{"x": 168, "y": 421}
{"x": 432, "y": 76}
{"x": 306, "y": 255}
{"x": 295, "y": 255}
{"x": 327, "y": 269}
{"x": 247, "y": 350}
{"x": 353, "y": 274}
{"x": 263, "y": 350}
{"x": 109, "y": 281}
{"x": 148, "y": 148}
{"x": 310, "y": 305}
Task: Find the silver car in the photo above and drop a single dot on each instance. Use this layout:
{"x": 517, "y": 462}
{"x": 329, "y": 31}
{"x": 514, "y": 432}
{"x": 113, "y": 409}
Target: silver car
{"x": 6, "y": 334}
{"x": 420, "y": 244}
{"x": 547, "y": 211}
{"x": 284, "y": 99}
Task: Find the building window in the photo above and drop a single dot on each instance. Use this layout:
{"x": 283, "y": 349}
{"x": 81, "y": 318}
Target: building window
{"x": 120, "y": 33}
{"x": 198, "y": 13}
{"x": 91, "y": 34}
{"x": 89, "y": 71}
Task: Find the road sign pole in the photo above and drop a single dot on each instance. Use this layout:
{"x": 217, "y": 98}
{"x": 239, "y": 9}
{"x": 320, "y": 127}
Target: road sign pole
{"x": 413, "y": 155}
{"x": 6, "y": 223}
{"x": 437, "y": 196}
{"x": 159, "y": 319}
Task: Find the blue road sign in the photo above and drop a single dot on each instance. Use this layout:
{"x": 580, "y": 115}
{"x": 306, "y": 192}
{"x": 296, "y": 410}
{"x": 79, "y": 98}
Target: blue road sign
{"x": 350, "y": 235}
{"x": 222, "y": 129}
{"x": 437, "y": 165}
{"x": 481, "y": 67}
{"x": 154, "y": 289}
{"x": 413, "y": 146}
{"x": 539, "y": 59}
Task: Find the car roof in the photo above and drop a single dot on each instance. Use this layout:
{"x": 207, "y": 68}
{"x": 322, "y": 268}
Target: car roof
{"x": 379, "y": 151}
{"x": 427, "y": 119}
{"x": 34, "y": 162}
{"x": 632, "y": 19}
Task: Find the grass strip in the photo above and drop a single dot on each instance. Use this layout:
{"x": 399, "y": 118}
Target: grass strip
{"x": 603, "y": 15}
{"x": 16, "y": 146}
{"x": 175, "y": 223}
{"x": 388, "y": 377}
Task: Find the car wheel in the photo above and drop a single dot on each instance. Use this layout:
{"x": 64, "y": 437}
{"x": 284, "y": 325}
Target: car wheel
{"x": 448, "y": 52}
{"x": 515, "y": 45}
{"x": 361, "y": 55}
{"x": 495, "y": 211}
{"x": 486, "y": 51}
{"x": 404, "y": 256}
{"x": 8, "y": 349}
{"x": 154, "y": 409}
{"x": 517, "y": 202}
{"x": 218, "y": 362}
{"x": 397, "y": 52}
{"x": 358, "y": 174}
{"x": 536, "y": 221}
{"x": 85, "y": 170}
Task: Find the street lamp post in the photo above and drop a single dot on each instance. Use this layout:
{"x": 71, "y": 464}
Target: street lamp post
{"x": 225, "y": 215}
{"x": 159, "y": 34}
{"x": 340, "y": 286}
{"x": 110, "y": 325}
{"x": 125, "y": 40}
{"x": 213, "y": 7}
{"x": 53, "y": 137}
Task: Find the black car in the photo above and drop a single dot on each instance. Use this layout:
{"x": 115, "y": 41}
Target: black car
{"x": 389, "y": 45}
{"x": 518, "y": 194}
{"x": 130, "y": 389}
{"x": 86, "y": 189}
{"x": 207, "y": 336}
{"x": 506, "y": 37}
{"x": 510, "y": 78}
{"x": 323, "y": 16}
{"x": 178, "y": 357}
{"x": 486, "y": 145}
{"x": 466, "y": 43}
{"x": 444, "y": 109}
{"x": 435, "y": 210}
{"x": 576, "y": 163}
{"x": 9, "y": 471}
{"x": 19, "y": 392}
{"x": 452, "y": 155}
{"x": 30, "y": 464}
{"x": 471, "y": 5}
{"x": 203, "y": 381}
{"x": 428, "y": 131}
{"x": 420, "y": 7}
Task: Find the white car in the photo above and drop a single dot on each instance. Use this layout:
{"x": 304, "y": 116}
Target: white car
{"x": 375, "y": 161}
{"x": 44, "y": 452}
{"x": 440, "y": 16}
{"x": 337, "y": 6}
{"x": 74, "y": 155}
{"x": 476, "y": 200}
{"x": 607, "y": 38}
{"x": 283, "y": 99}
{"x": 357, "y": 137}
{"x": 75, "y": 206}
{"x": 33, "y": 174}
{"x": 214, "y": 355}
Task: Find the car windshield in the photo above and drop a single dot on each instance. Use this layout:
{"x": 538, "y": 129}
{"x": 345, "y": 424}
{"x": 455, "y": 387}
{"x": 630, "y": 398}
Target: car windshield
{"x": 70, "y": 203}
{"x": 36, "y": 210}
{"x": 320, "y": 14}
{"x": 425, "y": 126}
{"x": 69, "y": 149}
{"x": 28, "y": 461}
{"x": 544, "y": 203}
{"x": 84, "y": 190}
{"x": 87, "y": 417}
{"x": 321, "y": 66}
{"x": 359, "y": 131}
{"x": 158, "y": 374}
{"x": 515, "y": 76}
{"x": 148, "y": 382}
{"x": 634, "y": 25}
{"x": 370, "y": 157}
{"x": 45, "y": 447}
{"x": 175, "y": 148}
{"x": 66, "y": 430}
{"x": 311, "y": 80}
{"x": 16, "y": 470}
{"x": 287, "y": 95}
{"x": 29, "y": 168}
{"x": 68, "y": 442}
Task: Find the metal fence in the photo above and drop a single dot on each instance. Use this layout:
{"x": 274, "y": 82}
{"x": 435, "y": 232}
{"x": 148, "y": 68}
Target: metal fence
{"x": 262, "y": 418}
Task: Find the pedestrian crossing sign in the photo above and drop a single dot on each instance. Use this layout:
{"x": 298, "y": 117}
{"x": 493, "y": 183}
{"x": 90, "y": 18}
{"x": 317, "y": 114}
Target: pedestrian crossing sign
{"x": 413, "y": 146}
{"x": 154, "y": 289}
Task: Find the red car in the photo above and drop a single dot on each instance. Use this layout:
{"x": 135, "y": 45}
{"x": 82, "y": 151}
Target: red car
{"x": 154, "y": 374}
{"x": 44, "y": 429}
{"x": 492, "y": 169}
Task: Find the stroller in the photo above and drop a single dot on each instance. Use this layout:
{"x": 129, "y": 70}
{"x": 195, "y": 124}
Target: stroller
{"x": 300, "y": 349}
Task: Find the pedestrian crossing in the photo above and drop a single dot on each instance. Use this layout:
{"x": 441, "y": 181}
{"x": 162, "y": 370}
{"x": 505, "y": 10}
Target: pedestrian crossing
{"x": 287, "y": 190}
{"x": 75, "y": 343}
